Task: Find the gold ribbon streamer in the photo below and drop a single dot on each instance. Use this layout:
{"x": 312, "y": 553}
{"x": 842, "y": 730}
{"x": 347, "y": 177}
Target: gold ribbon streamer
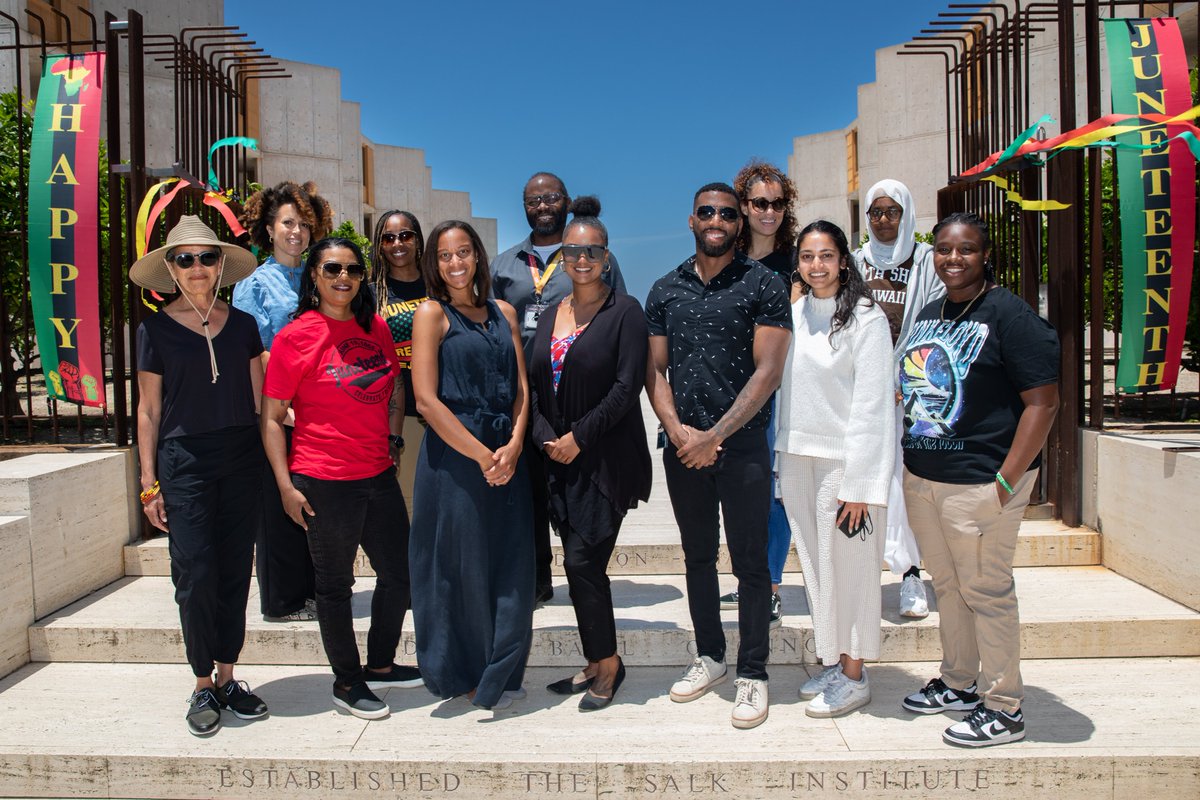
{"x": 1026, "y": 205}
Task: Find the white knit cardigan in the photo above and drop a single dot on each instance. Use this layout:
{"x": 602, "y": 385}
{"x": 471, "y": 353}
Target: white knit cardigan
{"x": 837, "y": 399}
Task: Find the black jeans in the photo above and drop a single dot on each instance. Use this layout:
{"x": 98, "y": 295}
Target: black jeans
{"x": 586, "y": 566}
{"x": 738, "y": 486}
{"x": 539, "y": 485}
{"x": 285, "y": 570}
{"x": 212, "y": 493}
{"x": 369, "y": 512}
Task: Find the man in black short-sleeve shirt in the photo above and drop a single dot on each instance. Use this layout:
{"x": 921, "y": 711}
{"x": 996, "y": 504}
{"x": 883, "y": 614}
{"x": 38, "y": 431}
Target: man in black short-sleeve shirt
{"x": 720, "y": 325}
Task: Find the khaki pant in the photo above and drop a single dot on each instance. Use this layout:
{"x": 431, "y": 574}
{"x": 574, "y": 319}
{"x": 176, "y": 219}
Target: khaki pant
{"x": 406, "y": 473}
{"x": 967, "y": 541}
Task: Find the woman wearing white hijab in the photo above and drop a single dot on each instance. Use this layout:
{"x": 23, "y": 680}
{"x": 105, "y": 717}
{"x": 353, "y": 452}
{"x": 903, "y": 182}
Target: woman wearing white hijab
{"x": 899, "y": 271}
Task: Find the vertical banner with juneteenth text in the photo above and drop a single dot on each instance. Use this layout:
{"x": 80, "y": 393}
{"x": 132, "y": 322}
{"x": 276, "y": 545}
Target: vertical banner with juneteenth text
{"x": 64, "y": 216}
{"x": 1158, "y": 200}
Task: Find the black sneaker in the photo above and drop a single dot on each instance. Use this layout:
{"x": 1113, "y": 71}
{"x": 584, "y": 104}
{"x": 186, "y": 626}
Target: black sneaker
{"x": 776, "y": 610}
{"x": 402, "y": 677}
{"x": 360, "y": 701}
{"x": 237, "y": 697}
{"x": 204, "y": 713}
{"x": 986, "y": 726}
{"x": 729, "y": 602}
{"x": 937, "y": 697}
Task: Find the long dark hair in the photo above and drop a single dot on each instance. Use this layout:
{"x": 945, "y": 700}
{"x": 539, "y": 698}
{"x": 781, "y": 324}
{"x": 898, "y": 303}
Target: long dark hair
{"x": 310, "y": 300}
{"x": 434, "y": 285}
{"x": 379, "y": 266}
{"x": 853, "y": 289}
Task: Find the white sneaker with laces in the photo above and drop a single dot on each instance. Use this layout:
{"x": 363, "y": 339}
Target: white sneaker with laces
{"x": 913, "y": 602}
{"x": 700, "y": 676}
{"x": 817, "y": 683}
{"x": 750, "y": 705}
{"x": 841, "y": 696}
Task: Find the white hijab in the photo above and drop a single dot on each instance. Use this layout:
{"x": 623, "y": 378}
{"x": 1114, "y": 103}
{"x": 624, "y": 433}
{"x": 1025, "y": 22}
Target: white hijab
{"x": 887, "y": 256}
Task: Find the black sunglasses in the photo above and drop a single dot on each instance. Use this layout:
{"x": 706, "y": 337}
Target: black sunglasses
{"x": 761, "y": 204}
{"x": 332, "y": 269}
{"x": 208, "y": 258}
{"x": 592, "y": 252}
{"x": 550, "y": 199}
{"x": 728, "y": 213}
{"x": 402, "y": 236}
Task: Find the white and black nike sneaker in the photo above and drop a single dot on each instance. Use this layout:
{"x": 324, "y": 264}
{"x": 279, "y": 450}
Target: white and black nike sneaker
{"x": 937, "y": 697}
{"x": 984, "y": 727}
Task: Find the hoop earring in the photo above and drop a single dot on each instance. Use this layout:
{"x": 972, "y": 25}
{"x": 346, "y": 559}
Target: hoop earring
{"x": 607, "y": 268}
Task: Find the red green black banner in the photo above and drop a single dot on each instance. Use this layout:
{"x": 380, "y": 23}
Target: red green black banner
{"x": 63, "y": 227}
{"x": 1158, "y": 200}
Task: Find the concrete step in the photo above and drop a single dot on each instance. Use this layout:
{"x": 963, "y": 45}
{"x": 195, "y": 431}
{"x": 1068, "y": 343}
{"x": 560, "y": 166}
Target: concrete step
{"x": 88, "y": 730}
{"x": 1067, "y": 612}
{"x": 647, "y": 547}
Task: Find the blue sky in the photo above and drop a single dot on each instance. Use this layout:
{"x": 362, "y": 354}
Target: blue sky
{"x": 639, "y": 103}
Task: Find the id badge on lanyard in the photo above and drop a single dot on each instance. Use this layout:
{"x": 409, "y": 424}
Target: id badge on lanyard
{"x": 533, "y": 311}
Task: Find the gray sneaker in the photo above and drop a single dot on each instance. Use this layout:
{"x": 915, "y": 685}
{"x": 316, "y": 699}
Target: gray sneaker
{"x": 204, "y": 713}
{"x": 817, "y": 683}
{"x": 700, "y": 676}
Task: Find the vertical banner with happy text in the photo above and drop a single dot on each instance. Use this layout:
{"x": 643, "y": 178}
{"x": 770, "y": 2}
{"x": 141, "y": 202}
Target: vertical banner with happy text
{"x": 1158, "y": 200}
{"x": 64, "y": 216}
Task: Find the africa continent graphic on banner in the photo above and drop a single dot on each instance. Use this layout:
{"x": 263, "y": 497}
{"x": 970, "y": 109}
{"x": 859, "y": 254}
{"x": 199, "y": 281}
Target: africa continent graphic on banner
{"x": 63, "y": 227}
{"x": 1149, "y": 70}
{"x": 936, "y": 361}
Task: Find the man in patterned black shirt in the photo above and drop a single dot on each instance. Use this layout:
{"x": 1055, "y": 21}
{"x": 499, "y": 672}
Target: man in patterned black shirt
{"x": 720, "y": 324}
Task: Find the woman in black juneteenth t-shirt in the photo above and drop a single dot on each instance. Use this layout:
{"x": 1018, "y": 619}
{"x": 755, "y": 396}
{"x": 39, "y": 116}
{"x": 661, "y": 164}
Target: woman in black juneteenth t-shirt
{"x": 979, "y": 383}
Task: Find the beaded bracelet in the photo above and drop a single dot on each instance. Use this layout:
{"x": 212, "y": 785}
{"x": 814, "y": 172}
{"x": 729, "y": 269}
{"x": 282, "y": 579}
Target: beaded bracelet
{"x": 1007, "y": 486}
{"x": 149, "y": 494}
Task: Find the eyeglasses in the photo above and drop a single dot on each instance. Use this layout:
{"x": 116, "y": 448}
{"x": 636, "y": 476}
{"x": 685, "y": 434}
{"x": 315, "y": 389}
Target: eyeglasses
{"x": 208, "y": 258}
{"x": 894, "y": 213}
{"x": 550, "y": 199}
{"x": 826, "y": 257}
{"x": 402, "y": 236}
{"x": 728, "y": 213}
{"x": 591, "y": 252}
{"x": 332, "y": 269}
{"x": 761, "y": 204}
{"x": 462, "y": 253}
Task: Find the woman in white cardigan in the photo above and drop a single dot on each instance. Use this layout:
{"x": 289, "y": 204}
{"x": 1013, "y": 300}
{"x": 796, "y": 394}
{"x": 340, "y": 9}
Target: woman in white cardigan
{"x": 836, "y": 444}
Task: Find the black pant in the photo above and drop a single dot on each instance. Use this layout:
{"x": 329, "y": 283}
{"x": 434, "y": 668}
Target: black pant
{"x": 739, "y": 486}
{"x": 586, "y": 566}
{"x": 539, "y": 485}
{"x": 369, "y": 511}
{"x": 212, "y": 495}
{"x": 285, "y": 570}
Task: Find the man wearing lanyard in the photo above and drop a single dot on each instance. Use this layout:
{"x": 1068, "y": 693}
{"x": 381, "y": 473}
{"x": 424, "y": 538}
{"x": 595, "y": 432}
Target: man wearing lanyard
{"x": 529, "y": 278}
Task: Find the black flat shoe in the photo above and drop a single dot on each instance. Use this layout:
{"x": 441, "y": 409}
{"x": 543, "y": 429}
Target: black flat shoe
{"x": 593, "y": 702}
{"x": 569, "y": 686}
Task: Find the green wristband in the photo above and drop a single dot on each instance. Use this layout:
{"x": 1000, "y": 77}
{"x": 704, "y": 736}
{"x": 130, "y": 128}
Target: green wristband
{"x": 1007, "y": 487}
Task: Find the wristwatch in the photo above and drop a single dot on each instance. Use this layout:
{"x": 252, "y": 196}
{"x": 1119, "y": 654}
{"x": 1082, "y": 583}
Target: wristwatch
{"x": 396, "y": 441}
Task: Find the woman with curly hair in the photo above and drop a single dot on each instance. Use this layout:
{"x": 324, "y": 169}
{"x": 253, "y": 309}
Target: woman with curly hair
{"x": 396, "y": 250}
{"x": 768, "y": 235}
{"x": 281, "y": 221}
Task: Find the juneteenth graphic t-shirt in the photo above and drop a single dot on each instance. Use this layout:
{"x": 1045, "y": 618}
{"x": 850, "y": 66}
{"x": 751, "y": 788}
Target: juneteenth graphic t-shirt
{"x": 889, "y": 289}
{"x": 339, "y": 379}
{"x": 961, "y": 384}
{"x": 402, "y": 301}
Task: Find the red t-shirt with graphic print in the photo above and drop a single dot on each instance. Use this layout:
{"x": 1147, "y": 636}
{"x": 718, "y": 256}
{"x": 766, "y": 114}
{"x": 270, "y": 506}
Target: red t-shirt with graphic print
{"x": 339, "y": 379}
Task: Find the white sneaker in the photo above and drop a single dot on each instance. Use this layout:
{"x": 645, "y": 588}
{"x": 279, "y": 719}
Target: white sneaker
{"x": 841, "y": 696}
{"x": 700, "y": 676}
{"x": 817, "y": 683}
{"x": 913, "y": 602}
{"x": 750, "y": 705}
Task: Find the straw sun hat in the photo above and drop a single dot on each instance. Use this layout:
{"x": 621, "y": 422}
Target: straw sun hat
{"x": 150, "y": 271}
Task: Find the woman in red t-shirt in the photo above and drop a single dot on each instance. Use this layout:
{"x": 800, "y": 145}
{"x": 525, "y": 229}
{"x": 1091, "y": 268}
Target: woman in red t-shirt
{"x": 335, "y": 366}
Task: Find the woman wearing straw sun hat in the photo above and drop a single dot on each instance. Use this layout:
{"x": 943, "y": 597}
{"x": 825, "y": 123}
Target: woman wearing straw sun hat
{"x": 199, "y": 378}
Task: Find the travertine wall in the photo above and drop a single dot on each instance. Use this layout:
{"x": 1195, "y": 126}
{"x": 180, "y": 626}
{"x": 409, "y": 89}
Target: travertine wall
{"x": 818, "y": 168}
{"x": 16, "y": 593}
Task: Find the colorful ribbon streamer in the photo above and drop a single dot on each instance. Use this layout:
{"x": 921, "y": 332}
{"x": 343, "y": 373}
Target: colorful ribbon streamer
{"x": 1097, "y": 133}
{"x": 244, "y": 141}
{"x": 1026, "y": 205}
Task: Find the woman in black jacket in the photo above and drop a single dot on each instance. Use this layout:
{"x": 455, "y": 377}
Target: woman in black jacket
{"x": 587, "y": 373}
